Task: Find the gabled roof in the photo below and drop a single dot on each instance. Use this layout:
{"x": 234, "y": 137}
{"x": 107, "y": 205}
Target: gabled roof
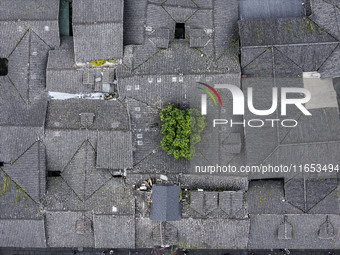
{"x": 199, "y": 233}
{"x": 134, "y": 19}
{"x": 306, "y": 192}
{"x": 26, "y": 66}
{"x": 264, "y": 9}
{"x": 22, "y": 233}
{"x": 218, "y": 21}
{"x": 29, "y": 171}
{"x": 268, "y": 197}
{"x": 15, "y": 141}
{"x": 180, "y": 58}
{"x": 61, "y": 230}
{"x": 14, "y": 201}
{"x": 280, "y": 145}
{"x": 98, "y": 41}
{"x": 97, "y": 29}
{"x": 61, "y": 74}
{"x": 107, "y": 115}
{"x": 81, "y": 173}
{"x": 102, "y": 11}
{"x": 61, "y": 145}
{"x": 282, "y": 31}
{"x": 224, "y": 204}
{"x": 299, "y": 230}
{"x": 330, "y": 67}
{"x": 114, "y": 231}
{"x": 29, "y": 10}
{"x": 114, "y": 150}
{"x": 40, "y": 16}
{"x": 165, "y": 204}
{"x": 325, "y": 14}
{"x": 15, "y": 112}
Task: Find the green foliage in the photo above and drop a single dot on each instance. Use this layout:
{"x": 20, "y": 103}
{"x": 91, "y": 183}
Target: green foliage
{"x": 182, "y": 130}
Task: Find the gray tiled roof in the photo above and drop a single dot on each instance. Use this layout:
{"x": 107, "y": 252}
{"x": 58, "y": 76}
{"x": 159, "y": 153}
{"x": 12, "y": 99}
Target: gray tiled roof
{"x": 14, "y": 233}
{"x": 310, "y": 57}
{"x": 98, "y": 30}
{"x": 15, "y": 112}
{"x": 26, "y": 68}
{"x": 215, "y": 181}
{"x": 113, "y": 193}
{"x": 14, "y": 202}
{"x": 304, "y": 140}
{"x": 329, "y": 205}
{"x": 61, "y": 230}
{"x": 262, "y": 9}
{"x": 16, "y": 140}
{"x": 98, "y": 41}
{"x": 60, "y": 197}
{"x": 303, "y": 231}
{"x": 225, "y": 25}
{"x": 32, "y": 10}
{"x": 198, "y": 38}
{"x": 281, "y": 31}
{"x": 165, "y": 233}
{"x": 114, "y": 150}
{"x": 81, "y": 174}
{"x": 330, "y": 69}
{"x": 114, "y": 231}
{"x": 220, "y": 20}
{"x": 165, "y": 203}
{"x": 204, "y": 3}
{"x": 160, "y": 38}
{"x": 62, "y": 76}
{"x": 60, "y": 59}
{"x": 40, "y": 16}
{"x": 15, "y": 28}
{"x": 198, "y": 233}
{"x": 268, "y": 197}
{"x": 327, "y": 131}
{"x": 180, "y": 15}
{"x": 305, "y": 153}
{"x": 316, "y": 190}
{"x": 184, "y": 60}
{"x": 326, "y": 15}
{"x": 88, "y": 140}
{"x": 157, "y": 17}
{"x": 47, "y": 30}
{"x": 134, "y": 13}
{"x": 102, "y": 11}
{"x": 224, "y": 204}
{"x": 108, "y": 115}
{"x": 29, "y": 171}
{"x": 61, "y": 145}
{"x": 180, "y": 3}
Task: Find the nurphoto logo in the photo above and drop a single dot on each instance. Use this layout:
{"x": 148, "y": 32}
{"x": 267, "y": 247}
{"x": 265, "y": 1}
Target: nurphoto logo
{"x": 239, "y": 104}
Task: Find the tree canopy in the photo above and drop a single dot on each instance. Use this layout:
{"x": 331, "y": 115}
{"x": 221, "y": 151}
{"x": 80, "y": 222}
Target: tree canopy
{"x": 182, "y": 130}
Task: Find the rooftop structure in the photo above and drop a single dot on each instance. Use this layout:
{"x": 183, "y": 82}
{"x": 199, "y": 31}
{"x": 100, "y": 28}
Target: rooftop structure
{"x": 165, "y": 204}
{"x": 97, "y": 29}
{"x": 81, "y": 164}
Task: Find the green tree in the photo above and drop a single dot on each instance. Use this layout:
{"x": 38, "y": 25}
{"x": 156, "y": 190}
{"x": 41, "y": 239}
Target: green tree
{"x": 182, "y": 130}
